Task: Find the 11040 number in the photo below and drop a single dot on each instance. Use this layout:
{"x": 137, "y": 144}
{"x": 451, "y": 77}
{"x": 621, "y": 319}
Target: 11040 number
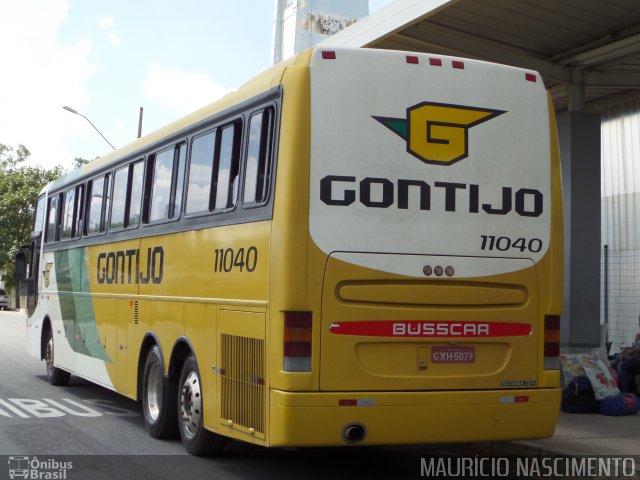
{"x": 491, "y": 242}
{"x": 228, "y": 259}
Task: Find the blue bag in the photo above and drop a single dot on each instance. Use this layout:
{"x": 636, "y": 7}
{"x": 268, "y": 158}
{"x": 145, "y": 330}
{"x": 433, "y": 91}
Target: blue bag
{"x": 617, "y": 405}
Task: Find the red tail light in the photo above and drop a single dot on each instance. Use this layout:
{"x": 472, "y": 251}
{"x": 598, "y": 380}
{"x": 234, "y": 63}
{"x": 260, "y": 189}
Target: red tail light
{"x": 297, "y": 341}
{"x": 551, "y": 335}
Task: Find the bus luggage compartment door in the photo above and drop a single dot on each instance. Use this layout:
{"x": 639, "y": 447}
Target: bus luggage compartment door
{"x": 385, "y": 331}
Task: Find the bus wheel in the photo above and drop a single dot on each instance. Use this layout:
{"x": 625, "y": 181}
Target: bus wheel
{"x": 158, "y": 398}
{"x": 196, "y": 439}
{"x": 55, "y": 376}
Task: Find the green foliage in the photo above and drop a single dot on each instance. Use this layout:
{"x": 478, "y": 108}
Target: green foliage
{"x": 19, "y": 188}
{"x": 78, "y": 162}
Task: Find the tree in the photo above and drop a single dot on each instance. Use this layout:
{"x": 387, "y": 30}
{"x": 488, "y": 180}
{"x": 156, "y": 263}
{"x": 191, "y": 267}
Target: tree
{"x": 19, "y": 188}
{"x": 78, "y": 162}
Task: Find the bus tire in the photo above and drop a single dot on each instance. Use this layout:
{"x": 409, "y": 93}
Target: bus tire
{"x": 196, "y": 439}
{"x": 159, "y": 395}
{"x": 55, "y": 375}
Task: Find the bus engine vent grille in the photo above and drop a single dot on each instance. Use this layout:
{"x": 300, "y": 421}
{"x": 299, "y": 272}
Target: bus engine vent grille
{"x": 243, "y": 389}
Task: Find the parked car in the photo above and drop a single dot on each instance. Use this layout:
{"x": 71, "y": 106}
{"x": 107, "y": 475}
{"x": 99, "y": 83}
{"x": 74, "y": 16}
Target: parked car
{"x": 4, "y": 300}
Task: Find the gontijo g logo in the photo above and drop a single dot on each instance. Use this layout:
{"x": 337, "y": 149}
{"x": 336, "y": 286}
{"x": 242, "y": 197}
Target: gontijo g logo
{"x": 438, "y": 132}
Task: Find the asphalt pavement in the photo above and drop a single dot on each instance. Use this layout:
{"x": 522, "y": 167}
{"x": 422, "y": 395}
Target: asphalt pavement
{"x": 103, "y": 433}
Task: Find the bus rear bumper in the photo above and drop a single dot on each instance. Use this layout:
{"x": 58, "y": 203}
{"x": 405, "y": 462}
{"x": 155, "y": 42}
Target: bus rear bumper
{"x": 402, "y": 418}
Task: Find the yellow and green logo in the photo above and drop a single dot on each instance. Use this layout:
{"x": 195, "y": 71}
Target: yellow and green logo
{"x": 438, "y": 133}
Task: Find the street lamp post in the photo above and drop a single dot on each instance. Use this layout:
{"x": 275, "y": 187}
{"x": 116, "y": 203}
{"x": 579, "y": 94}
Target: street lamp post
{"x": 69, "y": 109}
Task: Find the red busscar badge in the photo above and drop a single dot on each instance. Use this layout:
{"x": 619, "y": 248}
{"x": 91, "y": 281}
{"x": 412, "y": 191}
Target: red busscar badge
{"x": 438, "y": 329}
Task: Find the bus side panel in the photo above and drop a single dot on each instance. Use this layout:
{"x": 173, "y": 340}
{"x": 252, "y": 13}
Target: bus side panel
{"x": 187, "y": 281}
{"x": 66, "y": 301}
{"x": 112, "y": 270}
{"x": 297, "y": 265}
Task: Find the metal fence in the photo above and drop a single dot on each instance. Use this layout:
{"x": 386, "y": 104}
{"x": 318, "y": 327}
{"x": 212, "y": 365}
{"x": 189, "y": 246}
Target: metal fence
{"x": 620, "y": 296}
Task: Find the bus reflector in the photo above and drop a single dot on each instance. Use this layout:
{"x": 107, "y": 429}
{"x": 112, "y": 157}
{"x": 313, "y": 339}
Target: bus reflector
{"x": 435, "y": 61}
{"x": 297, "y": 341}
{"x": 515, "y": 399}
{"x": 329, "y": 55}
{"x": 530, "y": 77}
{"x": 457, "y": 64}
{"x": 412, "y": 59}
{"x": 551, "y": 335}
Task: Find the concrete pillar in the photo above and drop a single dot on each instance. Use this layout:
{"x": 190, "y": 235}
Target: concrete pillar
{"x": 579, "y": 134}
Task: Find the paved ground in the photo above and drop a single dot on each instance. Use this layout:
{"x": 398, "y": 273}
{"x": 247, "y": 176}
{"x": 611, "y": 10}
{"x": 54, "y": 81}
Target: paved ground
{"x": 46, "y": 422}
{"x": 105, "y": 436}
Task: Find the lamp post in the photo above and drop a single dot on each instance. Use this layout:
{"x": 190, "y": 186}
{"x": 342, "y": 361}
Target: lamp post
{"x": 69, "y": 109}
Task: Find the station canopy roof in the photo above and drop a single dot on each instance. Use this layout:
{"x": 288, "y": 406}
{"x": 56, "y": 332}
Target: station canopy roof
{"x": 587, "y": 51}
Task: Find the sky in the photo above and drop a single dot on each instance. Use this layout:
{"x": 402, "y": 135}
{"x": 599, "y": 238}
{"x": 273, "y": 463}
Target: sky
{"x": 106, "y": 59}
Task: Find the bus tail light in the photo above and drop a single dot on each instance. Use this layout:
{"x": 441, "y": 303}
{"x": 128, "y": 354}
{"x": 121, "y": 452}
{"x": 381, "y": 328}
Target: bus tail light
{"x": 551, "y": 342}
{"x": 297, "y": 341}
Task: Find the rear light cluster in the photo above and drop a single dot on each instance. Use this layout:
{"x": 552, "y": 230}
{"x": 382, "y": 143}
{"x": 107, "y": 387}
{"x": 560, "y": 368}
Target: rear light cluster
{"x": 551, "y": 342}
{"x": 551, "y": 335}
{"x": 297, "y": 341}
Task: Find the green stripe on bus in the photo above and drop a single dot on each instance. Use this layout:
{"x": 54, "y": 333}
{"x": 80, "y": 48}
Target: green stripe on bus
{"x": 76, "y": 308}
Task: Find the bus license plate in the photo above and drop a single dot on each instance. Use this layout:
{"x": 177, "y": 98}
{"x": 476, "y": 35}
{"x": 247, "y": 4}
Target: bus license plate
{"x": 453, "y": 354}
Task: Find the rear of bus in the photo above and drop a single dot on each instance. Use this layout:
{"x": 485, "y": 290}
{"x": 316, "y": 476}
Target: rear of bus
{"x": 419, "y": 253}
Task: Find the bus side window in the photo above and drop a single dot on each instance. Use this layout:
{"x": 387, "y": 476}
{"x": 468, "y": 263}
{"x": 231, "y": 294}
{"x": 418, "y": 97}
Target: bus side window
{"x": 78, "y": 217}
{"x": 200, "y": 173}
{"x": 136, "y": 176}
{"x": 127, "y": 196}
{"x": 53, "y": 219}
{"x": 258, "y": 167}
{"x": 227, "y": 167}
{"x": 38, "y": 219}
{"x": 120, "y": 181}
{"x": 97, "y": 205}
{"x": 68, "y": 214}
{"x": 167, "y": 182}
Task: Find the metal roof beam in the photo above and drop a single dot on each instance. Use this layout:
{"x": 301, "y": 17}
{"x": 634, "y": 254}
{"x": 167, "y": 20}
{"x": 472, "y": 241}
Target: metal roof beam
{"x": 612, "y": 79}
{"x": 609, "y": 53}
{"x": 612, "y": 100}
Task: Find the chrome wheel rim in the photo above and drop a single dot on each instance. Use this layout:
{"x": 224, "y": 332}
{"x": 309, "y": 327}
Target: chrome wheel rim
{"x": 154, "y": 392}
{"x": 191, "y": 404}
{"x": 48, "y": 356}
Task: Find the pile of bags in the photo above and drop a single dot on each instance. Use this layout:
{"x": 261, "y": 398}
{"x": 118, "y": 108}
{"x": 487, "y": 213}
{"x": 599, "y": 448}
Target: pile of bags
{"x": 593, "y": 388}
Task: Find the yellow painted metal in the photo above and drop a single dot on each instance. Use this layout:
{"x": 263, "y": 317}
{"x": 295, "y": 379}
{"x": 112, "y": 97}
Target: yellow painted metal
{"x": 189, "y": 300}
{"x": 316, "y": 419}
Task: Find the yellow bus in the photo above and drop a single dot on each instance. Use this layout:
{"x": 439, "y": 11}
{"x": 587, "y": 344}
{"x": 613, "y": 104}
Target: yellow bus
{"x": 357, "y": 247}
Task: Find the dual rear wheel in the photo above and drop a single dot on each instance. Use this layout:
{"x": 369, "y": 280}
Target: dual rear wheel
{"x": 171, "y": 406}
